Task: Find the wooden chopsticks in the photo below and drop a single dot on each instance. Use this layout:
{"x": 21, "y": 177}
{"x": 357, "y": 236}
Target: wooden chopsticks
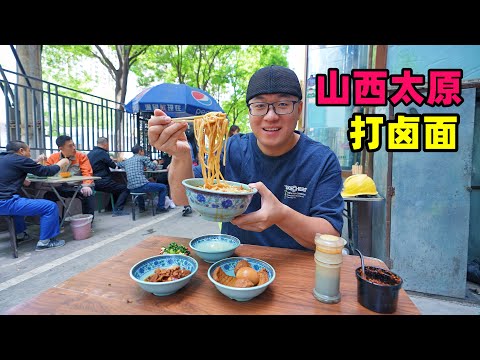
{"x": 186, "y": 119}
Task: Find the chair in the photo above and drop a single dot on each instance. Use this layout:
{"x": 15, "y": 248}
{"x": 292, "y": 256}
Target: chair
{"x": 135, "y": 196}
{"x": 13, "y": 235}
{"x": 99, "y": 197}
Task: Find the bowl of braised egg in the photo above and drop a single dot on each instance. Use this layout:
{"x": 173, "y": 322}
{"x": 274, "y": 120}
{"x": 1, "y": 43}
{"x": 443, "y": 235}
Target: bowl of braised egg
{"x": 241, "y": 278}
{"x": 165, "y": 274}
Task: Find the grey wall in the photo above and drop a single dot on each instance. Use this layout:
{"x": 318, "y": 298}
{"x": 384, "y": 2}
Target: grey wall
{"x": 474, "y": 240}
{"x": 431, "y": 205}
{"x": 430, "y": 210}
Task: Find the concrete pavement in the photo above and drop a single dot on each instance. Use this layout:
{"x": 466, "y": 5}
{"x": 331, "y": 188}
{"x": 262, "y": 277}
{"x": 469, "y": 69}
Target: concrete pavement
{"x": 33, "y": 272}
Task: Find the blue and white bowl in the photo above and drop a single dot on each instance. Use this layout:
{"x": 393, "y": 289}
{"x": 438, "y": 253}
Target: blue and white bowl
{"x": 214, "y": 247}
{"x": 215, "y": 205}
{"x": 241, "y": 294}
{"x": 146, "y": 267}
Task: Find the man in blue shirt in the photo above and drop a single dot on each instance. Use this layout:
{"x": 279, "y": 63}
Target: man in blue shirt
{"x": 16, "y": 164}
{"x": 298, "y": 179}
{"x": 137, "y": 182}
{"x": 101, "y": 165}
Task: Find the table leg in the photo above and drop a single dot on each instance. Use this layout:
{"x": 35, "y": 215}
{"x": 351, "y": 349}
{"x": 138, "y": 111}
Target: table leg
{"x": 67, "y": 208}
{"x": 27, "y": 194}
{"x": 350, "y": 218}
{"x": 348, "y": 214}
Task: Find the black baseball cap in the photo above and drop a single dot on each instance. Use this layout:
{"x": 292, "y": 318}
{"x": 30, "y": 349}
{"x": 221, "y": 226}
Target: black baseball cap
{"x": 273, "y": 79}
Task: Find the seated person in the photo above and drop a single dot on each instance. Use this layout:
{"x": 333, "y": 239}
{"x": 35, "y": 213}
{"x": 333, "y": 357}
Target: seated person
{"x": 137, "y": 182}
{"x": 16, "y": 164}
{"x": 190, "y": 133}
{"x": 101, "y": 164}
{"x": 79, "y": 165}
{"x": 162, "y": 178}
{"x": 299, "y": 180}
{"x": 234, "y": 129}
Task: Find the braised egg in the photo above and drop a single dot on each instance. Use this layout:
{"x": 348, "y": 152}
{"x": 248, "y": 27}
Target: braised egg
{"x": 248, "y": 273}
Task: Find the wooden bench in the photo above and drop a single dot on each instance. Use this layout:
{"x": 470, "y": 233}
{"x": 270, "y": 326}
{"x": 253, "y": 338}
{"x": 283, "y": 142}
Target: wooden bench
{"x": 13, "y": 236}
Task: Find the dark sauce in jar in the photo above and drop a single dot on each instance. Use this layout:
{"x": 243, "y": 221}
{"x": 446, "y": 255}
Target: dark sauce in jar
{"x": 380, "y": 276}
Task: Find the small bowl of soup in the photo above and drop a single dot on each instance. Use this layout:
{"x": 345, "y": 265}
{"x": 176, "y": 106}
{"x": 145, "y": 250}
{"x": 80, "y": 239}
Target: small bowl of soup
{"x": 214, "y": 247}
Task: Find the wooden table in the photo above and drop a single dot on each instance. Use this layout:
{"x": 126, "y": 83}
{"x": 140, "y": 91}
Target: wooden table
{"x": 108, "y": 289}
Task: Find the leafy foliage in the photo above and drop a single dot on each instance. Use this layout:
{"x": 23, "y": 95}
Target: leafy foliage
{"x": 117, "y": 59}
{"x": 62, "y": 65}
{"x": 222, "y": 70}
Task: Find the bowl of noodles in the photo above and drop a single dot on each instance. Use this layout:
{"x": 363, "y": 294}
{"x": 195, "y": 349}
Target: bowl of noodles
{"x": 218, "y": 203}
{"x": 215, "y": 198}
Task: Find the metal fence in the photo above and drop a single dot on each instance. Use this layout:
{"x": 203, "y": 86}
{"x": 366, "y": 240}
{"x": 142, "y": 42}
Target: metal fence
{"x": 37, "y": 112}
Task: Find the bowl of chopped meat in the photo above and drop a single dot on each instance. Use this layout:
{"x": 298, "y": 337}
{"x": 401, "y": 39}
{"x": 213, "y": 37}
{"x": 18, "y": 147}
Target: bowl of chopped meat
{"x": 164, "y": 275}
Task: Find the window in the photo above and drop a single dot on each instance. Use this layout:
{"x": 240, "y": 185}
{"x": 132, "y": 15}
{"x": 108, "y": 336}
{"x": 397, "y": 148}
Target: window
{"x": 329, "y": 124}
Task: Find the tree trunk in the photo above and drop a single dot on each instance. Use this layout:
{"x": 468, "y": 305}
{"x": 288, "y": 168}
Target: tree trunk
{"x": 120, "y": 93}
{"x": 29, "y": 102}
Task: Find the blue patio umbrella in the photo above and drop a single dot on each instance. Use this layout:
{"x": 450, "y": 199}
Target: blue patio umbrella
{"x": 176, "y": 100}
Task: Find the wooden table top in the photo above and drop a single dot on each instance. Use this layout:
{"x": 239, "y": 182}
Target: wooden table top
{"x": 108, "y": 289}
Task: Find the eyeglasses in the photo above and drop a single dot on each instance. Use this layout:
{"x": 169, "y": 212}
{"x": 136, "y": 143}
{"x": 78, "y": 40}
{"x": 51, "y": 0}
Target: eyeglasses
{"x": 283, "y": 107}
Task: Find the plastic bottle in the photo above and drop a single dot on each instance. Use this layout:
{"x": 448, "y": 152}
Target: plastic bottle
{"x": 328, "y": 260}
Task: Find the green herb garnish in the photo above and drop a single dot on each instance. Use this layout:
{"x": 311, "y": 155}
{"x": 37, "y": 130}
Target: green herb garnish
{"x": 174, "y": 248}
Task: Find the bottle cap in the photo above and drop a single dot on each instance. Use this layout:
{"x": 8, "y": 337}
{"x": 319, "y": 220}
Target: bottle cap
{"x": 329, "y": 244}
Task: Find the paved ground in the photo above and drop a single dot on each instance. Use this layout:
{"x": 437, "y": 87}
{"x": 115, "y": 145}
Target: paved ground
{"x": 33, "y": 272}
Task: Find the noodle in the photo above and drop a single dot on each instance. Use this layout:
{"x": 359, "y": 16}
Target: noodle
{"x": 212, "y": 128}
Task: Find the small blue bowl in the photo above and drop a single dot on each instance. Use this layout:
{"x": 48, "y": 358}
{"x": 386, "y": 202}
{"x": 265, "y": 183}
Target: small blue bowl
{"x": 147, "y": 266}
{"x": 214, "y": 247}
{"x": 216, "y": 205}
{"x": 241, "y": 294}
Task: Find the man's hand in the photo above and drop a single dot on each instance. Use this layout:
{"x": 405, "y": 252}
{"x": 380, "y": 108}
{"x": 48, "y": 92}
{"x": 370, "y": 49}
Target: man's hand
{"x": 86, "y": 191}
{"x": 41, "y": 159}
{"x": 167, "y": 136}
{"x": 269, "y": 213}
{"x": 63, "y": 163}
{"x": 26, "y": 182}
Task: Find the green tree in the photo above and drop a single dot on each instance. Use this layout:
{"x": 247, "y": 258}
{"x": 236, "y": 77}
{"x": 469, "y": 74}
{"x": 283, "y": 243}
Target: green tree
{"x": 117, "y": 59}
{"x": 62, "y": 65}
{"x": 221, "y": 70}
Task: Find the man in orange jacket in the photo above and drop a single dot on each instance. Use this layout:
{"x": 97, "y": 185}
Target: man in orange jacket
{"x": 79, "y": 165}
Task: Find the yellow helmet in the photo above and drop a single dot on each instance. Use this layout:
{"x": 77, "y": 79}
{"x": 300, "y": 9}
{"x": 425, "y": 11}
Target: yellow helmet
{"x": 359, "y": 184}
